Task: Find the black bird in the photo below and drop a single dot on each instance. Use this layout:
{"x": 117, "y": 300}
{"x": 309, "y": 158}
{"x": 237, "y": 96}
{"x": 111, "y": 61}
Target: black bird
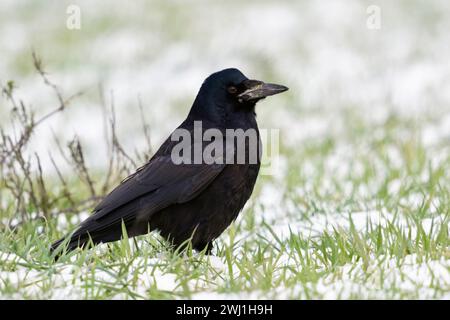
{"x": 195, "y": 202}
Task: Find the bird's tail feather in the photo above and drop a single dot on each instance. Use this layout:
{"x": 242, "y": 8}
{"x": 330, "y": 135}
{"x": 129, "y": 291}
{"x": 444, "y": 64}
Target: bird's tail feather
{"x": 94, "y": 230}
{"x": 83, "y": 238}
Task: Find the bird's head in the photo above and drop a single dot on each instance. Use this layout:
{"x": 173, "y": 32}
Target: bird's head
{"x": 229, "y": 91}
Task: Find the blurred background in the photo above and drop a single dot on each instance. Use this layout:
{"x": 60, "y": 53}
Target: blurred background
{"x": 364, "y": 153}
{"x": 160, "y": 52}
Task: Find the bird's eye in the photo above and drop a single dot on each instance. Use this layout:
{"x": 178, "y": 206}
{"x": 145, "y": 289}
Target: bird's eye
{"x": 232, "y": 89}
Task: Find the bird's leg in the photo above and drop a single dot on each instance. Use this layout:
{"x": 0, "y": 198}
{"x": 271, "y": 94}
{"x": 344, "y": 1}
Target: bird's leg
{"x": 204, "y": 246}
{"x": 209, "y": 248}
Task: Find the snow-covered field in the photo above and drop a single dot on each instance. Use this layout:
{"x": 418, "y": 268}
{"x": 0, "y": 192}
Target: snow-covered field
{"x": 359, "y": 205}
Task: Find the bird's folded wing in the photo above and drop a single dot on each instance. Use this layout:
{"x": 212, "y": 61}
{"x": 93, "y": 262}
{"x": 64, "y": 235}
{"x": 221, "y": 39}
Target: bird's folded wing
{"x": 158, "y": 184}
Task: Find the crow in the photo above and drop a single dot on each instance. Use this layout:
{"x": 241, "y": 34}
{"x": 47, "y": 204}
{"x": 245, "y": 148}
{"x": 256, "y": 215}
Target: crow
{"x": 187, "y": 201}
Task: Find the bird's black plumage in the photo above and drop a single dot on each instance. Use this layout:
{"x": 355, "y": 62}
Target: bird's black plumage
{"x": 185, "y": 200}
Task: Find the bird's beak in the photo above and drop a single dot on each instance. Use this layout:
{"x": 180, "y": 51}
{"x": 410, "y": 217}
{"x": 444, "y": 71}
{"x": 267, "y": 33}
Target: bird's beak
{"x": 259, "y": 90}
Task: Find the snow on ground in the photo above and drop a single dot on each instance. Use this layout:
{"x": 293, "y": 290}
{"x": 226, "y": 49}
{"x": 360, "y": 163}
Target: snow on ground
{"x": 417, "y": 279}
{"x": 322, "y": 51}
{"x": 383, "y": 277}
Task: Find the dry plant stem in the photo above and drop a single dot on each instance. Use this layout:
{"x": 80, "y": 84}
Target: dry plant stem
{"x": 77, "y": 155}
{"x": 23, "y": 178}
{"x": 17, "y": 170}
{"x": 115, "y": 140}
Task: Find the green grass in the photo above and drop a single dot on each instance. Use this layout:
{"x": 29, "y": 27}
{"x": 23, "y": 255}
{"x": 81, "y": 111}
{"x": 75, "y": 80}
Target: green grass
{"x": 360, "y": 207}
{"x": 399, "y": 256}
